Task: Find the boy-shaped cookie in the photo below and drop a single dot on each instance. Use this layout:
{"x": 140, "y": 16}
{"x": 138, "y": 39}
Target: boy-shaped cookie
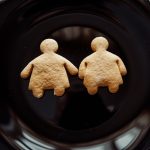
{"x": 48, "y": 71}
{"x": 101, "y": 68}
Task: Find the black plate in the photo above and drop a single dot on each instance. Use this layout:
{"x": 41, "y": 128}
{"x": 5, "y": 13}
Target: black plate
{"x": 75, "y": 117}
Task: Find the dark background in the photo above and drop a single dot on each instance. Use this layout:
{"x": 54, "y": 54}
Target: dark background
{"x": 144, "y": 145}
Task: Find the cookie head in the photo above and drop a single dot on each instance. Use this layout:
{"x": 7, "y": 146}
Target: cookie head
{"x": 49, "y": 45}
{"x": 99, "y": 43}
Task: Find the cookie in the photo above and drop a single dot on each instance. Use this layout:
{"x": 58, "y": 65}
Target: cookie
{"x": 48, "y": 71}
{"x": 102, "y": 68}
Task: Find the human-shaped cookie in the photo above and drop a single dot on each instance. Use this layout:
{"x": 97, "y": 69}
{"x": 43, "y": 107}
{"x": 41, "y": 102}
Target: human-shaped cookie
{"x": 102, "y": 68}
{"x": 48, "y": 71}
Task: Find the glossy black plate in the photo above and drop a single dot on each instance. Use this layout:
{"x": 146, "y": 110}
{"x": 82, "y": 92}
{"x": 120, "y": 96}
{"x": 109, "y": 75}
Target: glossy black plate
{"x": 75, "y": 117}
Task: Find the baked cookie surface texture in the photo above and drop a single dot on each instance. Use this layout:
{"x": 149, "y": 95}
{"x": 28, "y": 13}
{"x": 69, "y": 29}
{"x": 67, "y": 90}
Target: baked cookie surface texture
{"x": 102, "y": 68}
{"x": 48, "y": 71}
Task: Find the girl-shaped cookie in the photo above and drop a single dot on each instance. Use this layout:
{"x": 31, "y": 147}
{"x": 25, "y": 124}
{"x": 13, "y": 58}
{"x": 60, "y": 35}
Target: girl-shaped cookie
{"x": 48, "y": 71}
{"x": 101, "y": 68}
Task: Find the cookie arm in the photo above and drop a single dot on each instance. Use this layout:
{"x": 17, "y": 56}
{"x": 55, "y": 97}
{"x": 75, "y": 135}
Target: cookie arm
{"x": 26, "y": 71}
{"x": 70, "y": 67}
{"x": 82, "y": 69}
{"x": 121, "y": 66}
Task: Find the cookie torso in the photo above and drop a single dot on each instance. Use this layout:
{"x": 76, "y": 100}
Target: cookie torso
{"x": 48, "y": 72}
{"x": 102, "y": 69}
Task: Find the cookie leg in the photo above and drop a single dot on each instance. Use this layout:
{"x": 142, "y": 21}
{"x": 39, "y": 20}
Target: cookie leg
{"x": 59, "y": 91}
{"x": 67, "y": 85}
{"x": 38, "y": 92}
{"x": 113, "y": 88}
{"x": 92, "y": 90}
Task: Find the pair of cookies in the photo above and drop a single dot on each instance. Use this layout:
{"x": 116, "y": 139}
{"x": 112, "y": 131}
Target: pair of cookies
{"x": 48, "y": 71}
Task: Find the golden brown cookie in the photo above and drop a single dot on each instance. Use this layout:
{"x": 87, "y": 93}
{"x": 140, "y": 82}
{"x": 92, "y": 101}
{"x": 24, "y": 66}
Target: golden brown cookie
{"x": 102, "y": 68}
{"x": 48, "y": 71}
